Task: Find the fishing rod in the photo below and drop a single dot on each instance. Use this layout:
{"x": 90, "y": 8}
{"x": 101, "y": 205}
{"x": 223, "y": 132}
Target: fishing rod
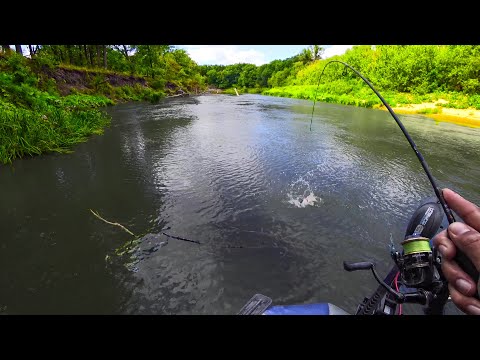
{"x": 446, "y": 209}
{"x": 416, "y": 277}
{"x": 418, "y": 265}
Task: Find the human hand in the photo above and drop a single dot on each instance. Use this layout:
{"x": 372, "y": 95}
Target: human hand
{"x": 465, "y": 237}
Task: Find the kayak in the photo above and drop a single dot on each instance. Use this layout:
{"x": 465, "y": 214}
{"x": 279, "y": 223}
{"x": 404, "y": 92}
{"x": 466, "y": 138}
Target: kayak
{"x": 308, "y": 309}
{"x": 414, "y": 278}
{"x": 261, "y": 305}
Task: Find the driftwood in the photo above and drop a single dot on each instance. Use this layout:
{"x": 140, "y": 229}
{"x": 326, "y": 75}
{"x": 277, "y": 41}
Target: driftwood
{"x": 211, "y": 91}
{"x": 170, "y": 96}
{"x": 197, "y": 92}
{"x": 182, "y": 93}
{"x": 111, "y": 223}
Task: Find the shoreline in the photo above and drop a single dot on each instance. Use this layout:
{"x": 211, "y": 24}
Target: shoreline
{"x": 463, "y": 117}
{"x": 439, "y": 107}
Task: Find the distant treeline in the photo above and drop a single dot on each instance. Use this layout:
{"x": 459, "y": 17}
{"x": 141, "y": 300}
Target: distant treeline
{"x": 48, "y": 93}
{"x": 418, "y": 69}
{"x": 164, "y": 64}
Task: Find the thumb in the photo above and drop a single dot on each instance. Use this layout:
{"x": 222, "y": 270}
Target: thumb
{"x": 467, "y": 240}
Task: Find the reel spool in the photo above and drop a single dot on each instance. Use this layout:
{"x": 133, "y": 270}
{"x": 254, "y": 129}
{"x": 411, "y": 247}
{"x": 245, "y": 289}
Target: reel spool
{"x": 416, "y": 262}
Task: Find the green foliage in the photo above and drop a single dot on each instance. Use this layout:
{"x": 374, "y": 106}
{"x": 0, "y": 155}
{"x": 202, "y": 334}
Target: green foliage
{"x": 405, "y": 74}
{"x": 408, "y": 73}
{"x": 474, "y": 101}
{"x": 413, "y": 69}
{"x": 48, "y": 85}
{"x": 148, "y": 94}
{"x": 419, "y": 69}
{"x": 33, "y": 121}
{"x": 157, "y": 84}
{"x": 25, "y": 132}
{"x": 35, "y": 118}
{"x": 161, "y": 64}
{"x": 344, "y": 93}
{"x": 47, "y": 60}
{"x": 435, "y": 110}
{"x": 85, "y": 101}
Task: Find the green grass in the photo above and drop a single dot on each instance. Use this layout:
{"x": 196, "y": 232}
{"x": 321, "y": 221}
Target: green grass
{"x": 35, "y": 119}
{"x": 325, "y": 94}
{"x": 25, "y": 132}
{"x": 435, "y": 110}
{"x": 342, "y": 92}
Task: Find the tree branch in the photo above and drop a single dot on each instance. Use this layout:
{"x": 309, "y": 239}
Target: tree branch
{"x": 111, "y": 223}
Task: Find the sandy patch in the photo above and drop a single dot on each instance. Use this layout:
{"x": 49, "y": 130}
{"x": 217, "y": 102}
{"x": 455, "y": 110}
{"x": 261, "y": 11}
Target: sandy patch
{"x": 465, "y": 117}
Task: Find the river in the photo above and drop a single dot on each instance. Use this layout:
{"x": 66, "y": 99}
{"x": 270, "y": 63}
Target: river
{"x": 276, "y": 208}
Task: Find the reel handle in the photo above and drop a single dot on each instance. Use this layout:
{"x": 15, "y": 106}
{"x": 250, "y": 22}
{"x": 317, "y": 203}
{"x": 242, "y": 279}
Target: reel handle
{"x": 364, "y": 265}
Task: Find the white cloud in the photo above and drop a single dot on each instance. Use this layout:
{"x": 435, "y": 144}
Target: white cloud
{"x": 335, "y": 50}
{"x": 224, "y": 55}
{"x": 232, "y": 54}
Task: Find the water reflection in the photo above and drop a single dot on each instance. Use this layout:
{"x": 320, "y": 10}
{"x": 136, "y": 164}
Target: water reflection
{"x": 220, "y": 170}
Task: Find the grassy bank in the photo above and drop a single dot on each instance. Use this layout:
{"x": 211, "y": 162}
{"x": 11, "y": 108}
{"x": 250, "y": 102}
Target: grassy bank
{"x": 53, "y": 128}
{"x": 37, "y": 116}
{"x": 451, "y": 107}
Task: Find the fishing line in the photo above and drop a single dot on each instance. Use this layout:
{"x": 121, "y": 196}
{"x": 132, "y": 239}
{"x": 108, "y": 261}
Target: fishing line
{"x": 224, "y": 246}
{"x": 200, "y": 243}
{"x": 446, "y": 209}
{"x": 180, "y": 238}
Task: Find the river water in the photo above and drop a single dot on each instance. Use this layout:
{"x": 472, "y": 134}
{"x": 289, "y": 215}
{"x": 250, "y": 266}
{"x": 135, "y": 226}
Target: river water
{"x": 276, "y": 208}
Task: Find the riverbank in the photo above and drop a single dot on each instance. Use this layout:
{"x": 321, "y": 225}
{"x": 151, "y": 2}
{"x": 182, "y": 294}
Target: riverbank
{"x": 464, "y": 117}
{"x": 437, "y": 110}
{"x": 456, "y": 108}
{"x": 47, "y": 109}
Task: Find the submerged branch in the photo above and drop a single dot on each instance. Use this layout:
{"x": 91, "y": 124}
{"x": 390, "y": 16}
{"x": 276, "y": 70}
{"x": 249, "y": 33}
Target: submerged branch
{"x": 111, "y": 223}
{"x": 180, "y": 238}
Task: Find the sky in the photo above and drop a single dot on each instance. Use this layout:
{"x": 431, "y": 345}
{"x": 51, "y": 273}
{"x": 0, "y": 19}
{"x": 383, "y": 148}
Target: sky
{"x": 253, "y": 54}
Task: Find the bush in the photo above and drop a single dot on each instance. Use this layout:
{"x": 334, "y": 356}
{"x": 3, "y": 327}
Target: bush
{"x": 474, "y": 101}
{"x": 157, "y": 84}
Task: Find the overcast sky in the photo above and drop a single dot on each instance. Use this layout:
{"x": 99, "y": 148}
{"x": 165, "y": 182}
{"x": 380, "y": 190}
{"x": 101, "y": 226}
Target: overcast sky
{"x": 253, "y": 54}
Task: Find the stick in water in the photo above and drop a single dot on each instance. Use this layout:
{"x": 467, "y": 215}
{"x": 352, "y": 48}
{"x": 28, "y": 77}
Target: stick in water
{"x": 111, "y": 223}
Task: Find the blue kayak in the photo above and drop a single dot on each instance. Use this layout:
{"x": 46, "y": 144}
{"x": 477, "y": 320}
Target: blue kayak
{"x": 262, "y": 305}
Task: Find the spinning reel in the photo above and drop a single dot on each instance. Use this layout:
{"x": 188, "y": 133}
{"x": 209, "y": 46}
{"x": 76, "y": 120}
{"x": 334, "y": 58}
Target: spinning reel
{"x": 418, "y": 266}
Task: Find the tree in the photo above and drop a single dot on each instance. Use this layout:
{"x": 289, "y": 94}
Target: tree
{"x": 317, "y": 52}
{"x": 126, "y": 50}
{"x": 150, "y": 59}
{"x": 312, "y": 53}
{"x": 32, "y": 50}
{"x": 6, "y": 48}
{"x": 104, "y": 56}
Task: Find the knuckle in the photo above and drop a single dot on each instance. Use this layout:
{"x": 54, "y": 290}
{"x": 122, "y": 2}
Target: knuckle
{"x": 471, "y": 238}
{"x": 441, "y": 239}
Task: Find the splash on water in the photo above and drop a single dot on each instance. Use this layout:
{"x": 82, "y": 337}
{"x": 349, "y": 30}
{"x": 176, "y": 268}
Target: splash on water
{"x": 301, "y": 195}
{"x": 303, "y": 201}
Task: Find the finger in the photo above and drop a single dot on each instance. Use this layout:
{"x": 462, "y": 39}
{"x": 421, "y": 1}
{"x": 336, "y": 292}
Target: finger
{"x": 467, "y": 240}
{"x": 444, "y": 245}
{"x": 457, "y": 278}
{"x": 468, "y": 305}
{"x": 469, "y": 212}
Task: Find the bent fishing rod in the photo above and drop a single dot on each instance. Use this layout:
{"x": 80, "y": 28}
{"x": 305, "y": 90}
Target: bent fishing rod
{"x": 413, "y": 243}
